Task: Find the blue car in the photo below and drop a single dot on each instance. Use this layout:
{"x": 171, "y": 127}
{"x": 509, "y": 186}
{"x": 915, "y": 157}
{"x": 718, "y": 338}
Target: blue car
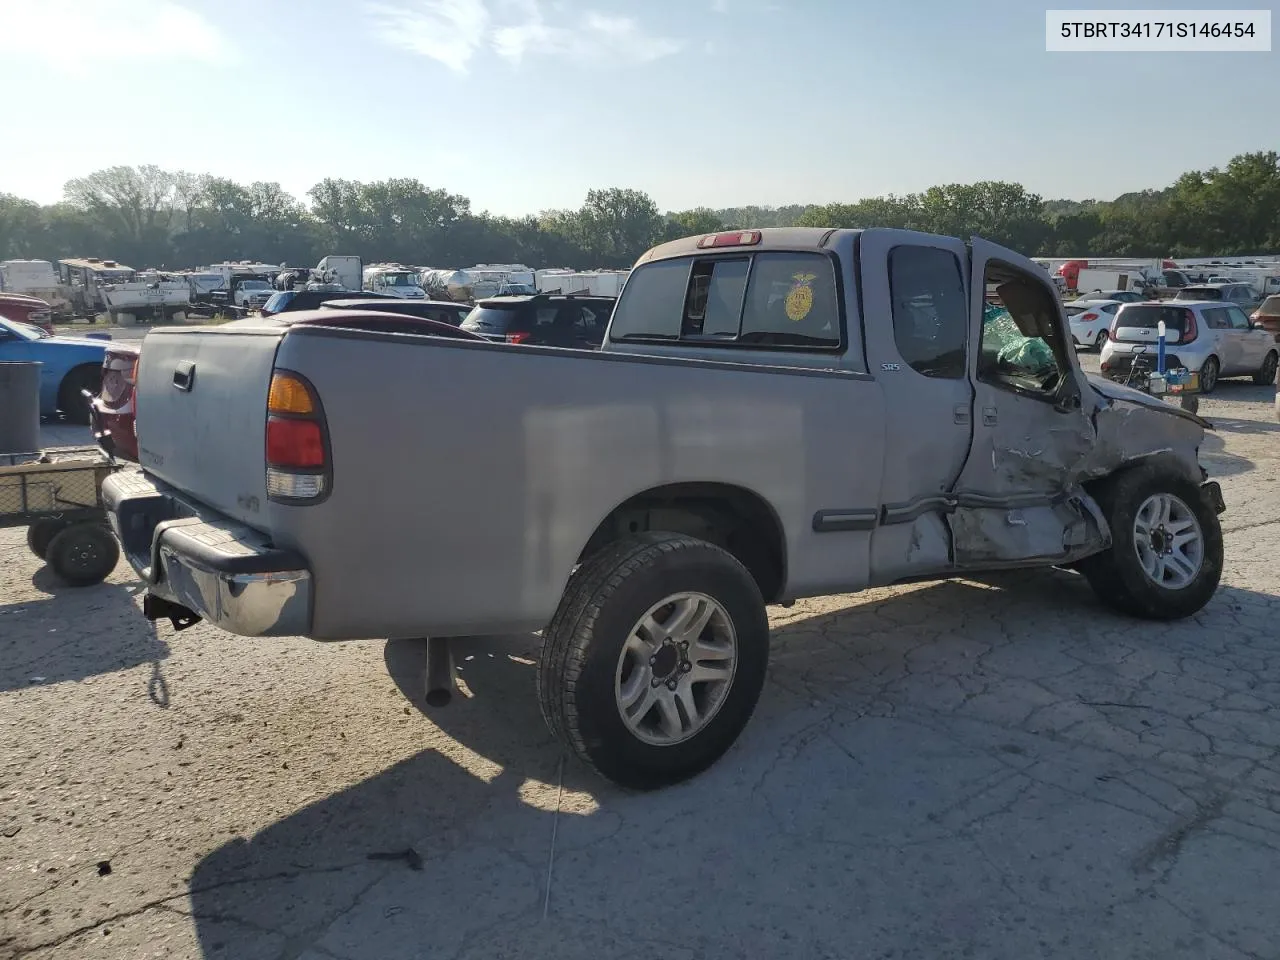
{"x": 69, "y": 365}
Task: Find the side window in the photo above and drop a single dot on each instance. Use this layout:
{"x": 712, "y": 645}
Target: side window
{"x": 791, "y": 301}
{"x": 713, "y": 307}
{"x": 930, "y": 312}
{"x": 652, "y": 302}
{"x": 1021, "y": 346}
{"x": 1216, "y": 317}
{"x": 1238, "y": 320}
{"x": 1111, "y": 309}
{"x": 545, "y": 317}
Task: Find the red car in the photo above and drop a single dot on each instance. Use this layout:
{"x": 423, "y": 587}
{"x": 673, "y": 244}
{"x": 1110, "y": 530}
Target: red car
{"x": 113, "y": 411}
{"x": 21, "y": 308}
{"x": 1268, "y": 314}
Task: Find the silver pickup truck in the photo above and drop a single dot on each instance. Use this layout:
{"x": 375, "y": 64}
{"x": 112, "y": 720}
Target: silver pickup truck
{"x": 774, "y": 414}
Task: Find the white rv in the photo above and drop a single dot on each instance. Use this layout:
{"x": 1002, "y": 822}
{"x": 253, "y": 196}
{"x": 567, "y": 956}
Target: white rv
{"x": 394, "y": 279}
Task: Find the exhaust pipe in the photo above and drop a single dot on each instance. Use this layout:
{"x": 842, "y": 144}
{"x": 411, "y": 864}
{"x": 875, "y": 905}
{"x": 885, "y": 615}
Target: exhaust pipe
{"x": 440, "y": 674}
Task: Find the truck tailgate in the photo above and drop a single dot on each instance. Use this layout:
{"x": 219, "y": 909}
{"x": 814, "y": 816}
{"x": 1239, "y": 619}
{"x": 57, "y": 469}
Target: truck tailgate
{"x": 202, "y": 402}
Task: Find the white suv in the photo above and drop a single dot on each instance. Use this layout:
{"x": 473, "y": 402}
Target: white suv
{"x": 1214, "y": 338}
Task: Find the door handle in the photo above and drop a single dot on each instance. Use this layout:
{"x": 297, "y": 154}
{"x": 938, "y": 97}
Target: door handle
{"x": 989, "y": 417}
{"x": 960, "y": 414}
{"x": 184, "y": 375}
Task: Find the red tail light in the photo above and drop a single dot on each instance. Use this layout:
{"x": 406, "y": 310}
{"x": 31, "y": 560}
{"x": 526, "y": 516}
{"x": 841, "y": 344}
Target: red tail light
{"x": 1089, "y": 316}
{"x": 1105, "y": 366}
{"x": 297, "y": 448}
{"x": 297, "y": 444}
{"x": 517, "y": 337}
{"x": 1189, "y": 330}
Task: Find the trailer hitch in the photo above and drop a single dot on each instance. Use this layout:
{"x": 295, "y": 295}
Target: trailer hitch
{"x": 156, "y": 608}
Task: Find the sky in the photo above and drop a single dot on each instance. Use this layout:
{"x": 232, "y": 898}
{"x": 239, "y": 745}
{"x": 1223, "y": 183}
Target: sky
{"x": 524, "y": 105}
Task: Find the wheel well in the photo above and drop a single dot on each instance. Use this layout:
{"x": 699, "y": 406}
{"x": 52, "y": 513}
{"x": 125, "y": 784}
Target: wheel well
{"x": 731, "y": 517}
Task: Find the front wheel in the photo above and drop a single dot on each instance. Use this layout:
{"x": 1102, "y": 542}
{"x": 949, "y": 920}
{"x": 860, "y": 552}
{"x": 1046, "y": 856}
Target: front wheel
{"x": 1165, "y": 559}
{"x": 1268, "y": 372}
{"x": 655, "y": 659}
{"x": 71, "y": 398}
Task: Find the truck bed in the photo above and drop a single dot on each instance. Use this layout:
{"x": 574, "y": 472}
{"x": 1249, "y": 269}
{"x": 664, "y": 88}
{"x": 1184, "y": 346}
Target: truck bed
{"x": 421, "y": 534}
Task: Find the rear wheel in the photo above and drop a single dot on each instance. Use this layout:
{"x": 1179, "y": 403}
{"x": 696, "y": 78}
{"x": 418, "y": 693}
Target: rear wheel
{"x": 83, "y": 554}
{"x": 71, "y": 399}
{"x": 41, "y": 533}
{"x": 1209, "y": 375}
{"x": 1101, "y": 340}
{"x": 655, "y": 659}
{"x": 1165, "y": 559}
{"x": 1268, "y": 372}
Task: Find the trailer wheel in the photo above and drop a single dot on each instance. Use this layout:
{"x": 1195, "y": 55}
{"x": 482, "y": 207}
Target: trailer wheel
{"x": 41, "y": 533}
{"x": 655, "y": 659}
{"x": 83, "y": 554}
{"x": 1165, "y": 559}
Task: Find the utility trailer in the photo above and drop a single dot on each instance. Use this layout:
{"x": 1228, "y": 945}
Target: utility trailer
{"x": 57, "y": 496}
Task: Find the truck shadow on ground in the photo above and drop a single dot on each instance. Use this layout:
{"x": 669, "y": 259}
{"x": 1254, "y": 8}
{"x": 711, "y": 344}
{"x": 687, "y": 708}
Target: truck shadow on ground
{"x": 74, "y": 633}
{"x": 433, "y": 858}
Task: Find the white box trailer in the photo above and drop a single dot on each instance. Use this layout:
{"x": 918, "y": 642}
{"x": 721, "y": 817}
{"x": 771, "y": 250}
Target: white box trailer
{"x": 595, "y": 283}
{"x": 1093, "y": 278}
{"x": 36, "y": 278}
{"x": 346, "y": 271}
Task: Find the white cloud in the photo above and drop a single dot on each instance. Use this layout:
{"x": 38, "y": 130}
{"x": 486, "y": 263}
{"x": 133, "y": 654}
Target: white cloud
{"x": 70, "y": 35}
{"x": 452, "y": 31}
{"x": 448, "y": 31}
{"x": 596, "y": 36}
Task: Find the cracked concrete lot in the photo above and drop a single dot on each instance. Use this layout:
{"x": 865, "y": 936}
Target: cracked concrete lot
{"x": 995, "y": 769}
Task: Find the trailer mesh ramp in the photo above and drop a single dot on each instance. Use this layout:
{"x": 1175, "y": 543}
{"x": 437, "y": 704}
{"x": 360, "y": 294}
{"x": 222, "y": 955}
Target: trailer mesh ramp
{"x": 53, "y": 484}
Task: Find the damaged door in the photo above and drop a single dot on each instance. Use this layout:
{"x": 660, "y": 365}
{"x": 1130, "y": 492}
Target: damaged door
{"x": 1018, "y": 497}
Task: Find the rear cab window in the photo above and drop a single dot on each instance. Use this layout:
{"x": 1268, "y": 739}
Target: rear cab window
{"x": 771, "y": 299}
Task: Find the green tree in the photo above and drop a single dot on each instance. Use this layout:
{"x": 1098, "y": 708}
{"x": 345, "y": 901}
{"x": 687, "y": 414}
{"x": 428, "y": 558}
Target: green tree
{"x": 690, "y": 223}
{"x": 618, "y": 225}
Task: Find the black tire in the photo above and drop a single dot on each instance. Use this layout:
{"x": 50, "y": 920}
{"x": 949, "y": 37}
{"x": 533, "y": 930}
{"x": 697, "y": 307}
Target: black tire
{"x": 71, "y": 400}
{"x": 41, "y": 533}
{"x": 1117, "y": 576}
{"x": 83, "y": 554}
{"x": 604, "y": 600}
{"x": 1209, "y": 375}
{"x": 1100, "y": 340}
{"x": 1267, "y": 374}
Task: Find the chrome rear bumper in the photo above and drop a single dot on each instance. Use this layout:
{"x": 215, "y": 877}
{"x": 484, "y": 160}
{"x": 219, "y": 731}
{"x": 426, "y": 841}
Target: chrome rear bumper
{"x": 216, "y": 568}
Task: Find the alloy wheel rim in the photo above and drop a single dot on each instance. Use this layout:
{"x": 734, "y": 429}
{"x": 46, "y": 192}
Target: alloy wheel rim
{"x": 1168, "y": 541}
{"x": 676, "y": 668}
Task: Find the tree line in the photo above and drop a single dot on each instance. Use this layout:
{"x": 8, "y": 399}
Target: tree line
{"x": 149, "y": 217}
